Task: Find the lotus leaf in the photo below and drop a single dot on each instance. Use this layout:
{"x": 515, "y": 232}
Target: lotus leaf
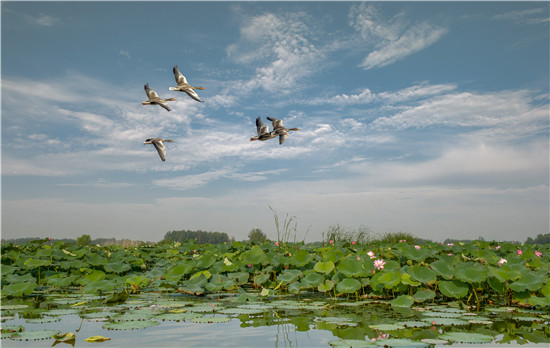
{"x": 95, "y": 259}
{"x": 261, "y": 278}
{"x": 444, "y": 268}
{"x": 467, "y": 337}
{"x": 97, "y": 339}
{"x": 389, "y": 279}
{"x": 400, "y": 342}
{"x": 350, "y": 267}
{"x": 313, "y": 280}
{"x": 289, "y": 276}
{"x": 529, "y": 281}
{"x": 470, "y": 272}
{"x": 116, "y": 267}
{"x": 326, "y": 286}
{"x": 350, "y": 343}
{"x": 424, "y": 295}
{"x": 130, "y": 325}
{"x": 178, "y": 316}
{"x": 406, "y": 279}
{"x": 18, "y": 289}
{"x": 434, "y": 341}
{"x": 68, "y": 336}
{"x": 101, "y": 285}
{"x": 301, "y": 258}
{"x": 422, "y": 274}
{"x": 43, "y": 320}
{"x": 33, "y": 335}
{"x": 403, "y": 301}
{"x": 34, "y": 263}
{"x": 210, "y": 320}
{"x": 453, "y": 289}
{"x": 445, "y": 321}
{"x": 239, "y": 278}
{"x": 348, "y": 286}
{"x": 324, "y": 267}
{"x": 254, "y": 256}
{"x": 413, "y": 323}
{"x": 177, "y": 272}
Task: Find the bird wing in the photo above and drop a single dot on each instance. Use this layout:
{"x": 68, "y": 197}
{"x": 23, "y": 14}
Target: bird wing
{"x": 180, "y": 79}
{"x": 150, "y": 93}
{"x": 282, "y": 138}
{"x": 276, "y": 122}
{"x": 190, "y": 92}
{"x": 261, "y": 127}
{"x": 160, "y": 149}
{"x": 164, "y": 105}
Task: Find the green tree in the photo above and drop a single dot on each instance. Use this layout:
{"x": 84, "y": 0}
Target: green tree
{"x": 256, "y": 235}
{"x": 84, "y": 240}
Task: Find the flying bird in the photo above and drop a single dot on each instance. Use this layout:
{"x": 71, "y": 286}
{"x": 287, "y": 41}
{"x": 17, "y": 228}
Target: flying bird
{"x": 280, "y": 129}
{"x": 183, "y": 86}
{"x": 158, "y": 142}
{"x": 154, "y": 98}
{"x": 263, "y": 131}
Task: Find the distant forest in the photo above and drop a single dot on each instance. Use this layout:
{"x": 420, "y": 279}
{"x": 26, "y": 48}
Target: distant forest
{"x": 217, "y": 238}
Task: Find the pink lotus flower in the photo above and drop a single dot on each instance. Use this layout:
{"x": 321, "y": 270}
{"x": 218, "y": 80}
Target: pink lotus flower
{"x": 497, "y": 247}
{"x": 519, "y": 252}
{"x": 276, "y": 243}
{"x": 195, "y": 250}
{"x": 371, "y": 254}
{"x": 379, "y": 264}
{"x": 331, "y": 242}
{"x": 417, "y": 246}
{"x": 538, "y": 253}
{"x": 450, "y": 244}
{"x": 450, "y": 254}
{"x": 358, "y": 258}
{"x": 249, "y": 265}
{"x": 502, "y": 261}
{"x": 353, "y": 243}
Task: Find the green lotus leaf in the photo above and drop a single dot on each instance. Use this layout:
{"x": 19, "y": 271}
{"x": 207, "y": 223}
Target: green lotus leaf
{"x": 418, "y": 255}
{"x": 211, "y": 320}
{"x": 390, "y": 279}
{"x": 324, "y": 267}
{"x": 34, "y": 335}
{"x": 18, "y": 289}
{"x": 313, "y": 280}
{"x": 413, "y": 323}
{"x": 424, "y": 295}
{"x": 444, "y": 268}
{"x": 43, "y": 320}
{"x": 506, "y": 272}
{"x": 529, "y": 281}
{"x": 470, "y": 272}
{"x": 116, "y": 267}
{"x": 351, "y": 343}
{"x": 205, "y": 261}
{"x": 386, "y": 327}
{"x": 15, "y": 278}
{"x": 254, "y": 256}
{"x": 348, "y": 286}
{"x": 399, "y": 342}
{"x": 34, "y": 263}
{"x": 95, "y": 260}
{"x": 101, "y": 285}
{"x": 92, "y": 277}
{"x": 68, "y": 336}
{"x": 239, "y": 278}
{"x": 467, "y": 337}
{"x": 199, "y": 274}
{"x": 445, "y": 321}
{"x": 326, "y": 286}
{"x": 117, "y": 297}
{"x": 350, "y": 267}
{"x": 422, "y": 274}
{"x": 403, "y": 301}
{"x": 289, "y": 276}
{"x": 130, "y": 325}
{"x": 62, "y": 281}
{"x": 177, "y": 272}
{"x": 301, "y": 258}
{"x": 453, "y": 289}
{"x": 434, "y": 341}
{"x": 406, "y": 279}
{"x": 496, "y": 284}
{"x": 177, "y": 316}
{"x": 261, "y": 278}
{"x": 137, "y": 280}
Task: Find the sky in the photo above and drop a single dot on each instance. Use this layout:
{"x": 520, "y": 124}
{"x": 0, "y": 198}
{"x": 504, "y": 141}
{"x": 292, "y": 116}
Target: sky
{"x": 430, "y": 118}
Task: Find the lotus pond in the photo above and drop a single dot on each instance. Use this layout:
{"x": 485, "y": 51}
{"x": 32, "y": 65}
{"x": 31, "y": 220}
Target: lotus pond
{"x": 275, "y": 294}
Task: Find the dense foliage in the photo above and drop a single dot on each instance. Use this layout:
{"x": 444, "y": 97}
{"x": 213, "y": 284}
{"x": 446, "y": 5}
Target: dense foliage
{"x": 199, "y": 236}
{"x": 476, "y": 273}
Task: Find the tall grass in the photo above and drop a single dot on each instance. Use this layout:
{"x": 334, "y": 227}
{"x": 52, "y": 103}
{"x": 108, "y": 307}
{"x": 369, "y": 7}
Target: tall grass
{"x": 363, "y": 235}
{"x": 289, "y": 225}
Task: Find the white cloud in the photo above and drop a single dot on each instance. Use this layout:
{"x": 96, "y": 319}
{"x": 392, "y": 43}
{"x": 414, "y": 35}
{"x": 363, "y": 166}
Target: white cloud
{"x": 42, "y": 19}
{"x": 392, "y": 39}
{"x": 283, "y": 42}
{"x": 530, "y": 16}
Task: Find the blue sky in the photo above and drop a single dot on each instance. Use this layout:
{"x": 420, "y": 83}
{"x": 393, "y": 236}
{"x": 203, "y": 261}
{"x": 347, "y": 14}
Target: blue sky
{"x": 424, "y": 117}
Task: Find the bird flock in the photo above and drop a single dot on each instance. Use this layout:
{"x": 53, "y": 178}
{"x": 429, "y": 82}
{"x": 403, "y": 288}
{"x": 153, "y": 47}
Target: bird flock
{"x": 183, "y": 86}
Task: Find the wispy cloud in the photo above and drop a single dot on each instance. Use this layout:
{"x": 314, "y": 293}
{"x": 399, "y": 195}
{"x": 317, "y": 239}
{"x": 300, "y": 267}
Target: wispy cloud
{"x": 531, "y": 16}
{"x": 392, "y": 39}
{"x": 281, "y": 40}
{"x": 42, "y": 19}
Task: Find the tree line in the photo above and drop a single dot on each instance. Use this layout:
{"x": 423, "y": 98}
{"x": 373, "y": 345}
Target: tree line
{"x": 200, "y": 236}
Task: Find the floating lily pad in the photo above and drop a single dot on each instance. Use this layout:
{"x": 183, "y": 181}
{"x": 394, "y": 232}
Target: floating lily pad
{"x": 413, "y": 323}
{"x": 434, "y": 341}
{"x": 399, "y": 342}
{"x": 441, "y": 314}
{"x": 67, "y": 311}
{"x": 12, "y": 307}
{"x": 387, "y": 327}
{"x": 178, "y": 316}
{"x": 351, "y": 343}
{"x": 134, "y": 316}
{"x": 210, "y": 320}
{"x": 34, "y": 335}
{"x": 445, "y": 321}
{"x": 467, "y": 337}
{"x": 97, "y": 339}
{"x": 43, "y": 320}
{"x": 241, "y": 310}
{"x": 130, "y": 325}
